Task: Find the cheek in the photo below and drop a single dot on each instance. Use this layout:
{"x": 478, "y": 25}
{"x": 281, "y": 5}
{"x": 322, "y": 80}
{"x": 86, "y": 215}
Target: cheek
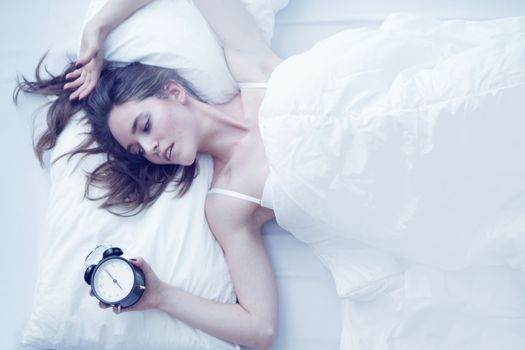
{"x": 168, "y": 122}
{"x": 172, "y": 129}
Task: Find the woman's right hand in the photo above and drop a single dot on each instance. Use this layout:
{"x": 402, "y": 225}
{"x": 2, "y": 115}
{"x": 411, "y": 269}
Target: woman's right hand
{"x": 152, "y": 294}
{"x": 89, "y": 63}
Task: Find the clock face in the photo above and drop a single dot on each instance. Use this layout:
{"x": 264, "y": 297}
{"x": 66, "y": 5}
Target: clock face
{"x": 113, "y": 280}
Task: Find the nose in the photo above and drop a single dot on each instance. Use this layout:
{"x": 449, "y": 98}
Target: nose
{"x": 150, "y": 147}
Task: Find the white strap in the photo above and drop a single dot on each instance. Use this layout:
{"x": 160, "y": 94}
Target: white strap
{"x": 236, "y": 195}
{"x": 253, "y": 85}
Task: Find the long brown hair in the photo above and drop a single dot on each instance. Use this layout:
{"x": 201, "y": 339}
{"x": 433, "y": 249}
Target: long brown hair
{"x": 131, "y": 182}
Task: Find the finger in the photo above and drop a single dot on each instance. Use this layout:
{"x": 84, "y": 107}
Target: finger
{"x": 138, "y": 261}
{"x": 87, "y": 87}
{"x": 142, "y": 264}
{"x": 126, "y": 309}
{"x": 74, "y": 84}
{"x": 82, "y": 89}
{"x": 76, "y": 93}
{"x": 82, "y": 61}
{"x": 86, "y": 57}
{"x": 86, "y": 91}
{"x": 118, "y": 309}
{"x": 91, "y": 86}
{"x": 74, "y": 74}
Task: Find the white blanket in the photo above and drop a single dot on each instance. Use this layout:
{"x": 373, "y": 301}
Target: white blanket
{"x": 409, "y": 138}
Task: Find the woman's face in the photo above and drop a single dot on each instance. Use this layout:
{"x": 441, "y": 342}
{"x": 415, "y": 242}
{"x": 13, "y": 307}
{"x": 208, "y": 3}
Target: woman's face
{"x": 163, "y": 131}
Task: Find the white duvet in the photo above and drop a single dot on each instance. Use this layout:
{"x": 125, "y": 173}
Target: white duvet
{"x": 405, "y": 145}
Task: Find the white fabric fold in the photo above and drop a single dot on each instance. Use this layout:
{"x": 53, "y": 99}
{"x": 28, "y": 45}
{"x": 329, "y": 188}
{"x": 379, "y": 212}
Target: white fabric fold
{"x": 406, "y": 142}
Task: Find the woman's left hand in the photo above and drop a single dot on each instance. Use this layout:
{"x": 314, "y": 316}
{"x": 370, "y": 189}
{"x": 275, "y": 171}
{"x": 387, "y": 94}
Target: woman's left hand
{"x": 89, "y": 63}
{"x": 150, "y": 298}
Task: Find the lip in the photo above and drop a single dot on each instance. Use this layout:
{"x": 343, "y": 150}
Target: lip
{"x": 167, "y": 152}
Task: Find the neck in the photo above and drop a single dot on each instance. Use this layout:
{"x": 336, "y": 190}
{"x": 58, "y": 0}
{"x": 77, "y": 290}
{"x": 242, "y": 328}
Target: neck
{"x": 223, "y": 128}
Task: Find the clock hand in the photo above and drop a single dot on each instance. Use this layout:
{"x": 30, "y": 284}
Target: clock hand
{"x": 119, "y": 285}
{"x": 114, "y": 280}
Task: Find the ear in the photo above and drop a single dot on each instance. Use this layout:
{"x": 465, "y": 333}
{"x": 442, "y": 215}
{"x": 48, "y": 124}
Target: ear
{"x": 174, "y": 89}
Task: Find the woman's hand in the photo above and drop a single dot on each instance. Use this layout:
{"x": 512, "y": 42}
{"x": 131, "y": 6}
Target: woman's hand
{"x": 150, "y": 298}
{"x": 89, "y": 63}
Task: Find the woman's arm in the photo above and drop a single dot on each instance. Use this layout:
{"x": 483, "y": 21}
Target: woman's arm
{"x": 252, "y": 320}
{"x": 248, "y": 55}
{"x": 89, "y": 63}
{"x": 113, "y": 13}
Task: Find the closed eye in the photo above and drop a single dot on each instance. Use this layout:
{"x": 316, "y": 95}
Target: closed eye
{"x": 147, "y": 126}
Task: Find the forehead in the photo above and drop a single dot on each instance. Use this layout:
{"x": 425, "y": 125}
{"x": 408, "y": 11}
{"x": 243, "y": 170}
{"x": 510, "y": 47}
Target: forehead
{"x": 125, "y": 111}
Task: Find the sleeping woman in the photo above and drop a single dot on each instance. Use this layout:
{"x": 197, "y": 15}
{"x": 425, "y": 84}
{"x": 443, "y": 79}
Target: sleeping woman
{"x": 388, "y": 137}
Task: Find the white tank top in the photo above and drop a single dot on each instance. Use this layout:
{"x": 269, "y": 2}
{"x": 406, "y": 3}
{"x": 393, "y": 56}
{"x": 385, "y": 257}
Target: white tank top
{"x": 265, "y": 200}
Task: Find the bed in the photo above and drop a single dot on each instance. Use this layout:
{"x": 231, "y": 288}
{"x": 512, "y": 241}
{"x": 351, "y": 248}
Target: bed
{"x": 302, "y": 280}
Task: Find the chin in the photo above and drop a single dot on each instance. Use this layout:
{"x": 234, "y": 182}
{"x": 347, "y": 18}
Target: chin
{"x": 188, "y": 160}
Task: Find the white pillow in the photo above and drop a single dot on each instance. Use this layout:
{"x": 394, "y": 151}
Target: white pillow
{"x": 173, "y": 34}
{"x": 172, "y": 235}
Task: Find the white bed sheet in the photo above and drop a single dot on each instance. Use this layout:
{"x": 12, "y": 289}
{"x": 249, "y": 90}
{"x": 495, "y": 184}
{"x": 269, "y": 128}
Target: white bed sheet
{"x": 309, "y": 313}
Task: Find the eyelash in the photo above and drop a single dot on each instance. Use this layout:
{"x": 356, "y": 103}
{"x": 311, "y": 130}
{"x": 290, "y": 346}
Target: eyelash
{"x": 147, "y": 126}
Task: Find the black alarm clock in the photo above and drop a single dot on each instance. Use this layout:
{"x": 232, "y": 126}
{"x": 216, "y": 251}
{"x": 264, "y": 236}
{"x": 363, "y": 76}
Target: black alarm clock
{"x": 114, "y": 280}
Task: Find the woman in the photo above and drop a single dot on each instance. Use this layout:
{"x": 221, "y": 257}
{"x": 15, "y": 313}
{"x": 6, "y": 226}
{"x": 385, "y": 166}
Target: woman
{"x": 374, "y": 165}
{"x": 169, "y": 125}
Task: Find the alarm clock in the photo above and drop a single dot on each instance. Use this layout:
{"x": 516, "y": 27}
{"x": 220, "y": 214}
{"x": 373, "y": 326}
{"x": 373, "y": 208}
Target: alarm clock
{"x": 114, "y": 280}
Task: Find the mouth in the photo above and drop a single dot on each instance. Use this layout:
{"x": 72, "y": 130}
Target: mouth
{"x": 167, "y": 152}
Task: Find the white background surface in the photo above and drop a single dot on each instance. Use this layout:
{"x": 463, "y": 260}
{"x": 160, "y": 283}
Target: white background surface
{"x": 23, "y": 183}
{"x": 24, "y": 33}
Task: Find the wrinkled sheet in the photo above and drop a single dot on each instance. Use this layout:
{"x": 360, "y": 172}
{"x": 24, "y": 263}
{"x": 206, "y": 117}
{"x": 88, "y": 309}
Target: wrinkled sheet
{"x": 409, "y": 139}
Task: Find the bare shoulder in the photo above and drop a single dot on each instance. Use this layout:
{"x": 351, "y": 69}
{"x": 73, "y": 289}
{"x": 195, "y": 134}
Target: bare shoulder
{"x": 227, "y": 215}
